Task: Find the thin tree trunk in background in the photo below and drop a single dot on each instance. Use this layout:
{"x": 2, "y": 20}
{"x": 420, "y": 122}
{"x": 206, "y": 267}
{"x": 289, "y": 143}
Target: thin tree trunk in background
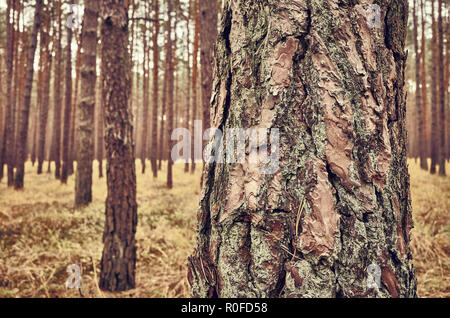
{"x": 313, "y": 224}
{"x": 170, "y": 117}
{"x": 118, "y": 262}
{"x": 67, "y": 109}
{"x": 57, "y": 100}
{"x": 45, "y": 55}
{"x": 441, "y": 97}
{"x": 208, "y": 35}
{"x": 162, "y": 132}
{"x": 86, "y": 107}
{"x": 154, "y": 151}
{"x": 17, "y": 74}
{"x": 418, "y": 80}
{"x": 100, "y": 129}
{"x": 73, "y": 116}
{"x": 9, "y": 139}
{"x": 145, "y": 88}
{"x": 25, "y": 107}
{"x": 188, "y": 82}
{"x": 194, "y": 82}
{"x": 423, "y": 76}
{"x": 434, "y": 94}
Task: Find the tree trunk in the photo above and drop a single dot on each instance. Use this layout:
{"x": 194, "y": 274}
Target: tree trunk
{"x": 57, "y": 102}
{"x": 208, "y": 35}
{"x": 434, "y": 94}
{"x": 8, "y": 142}
{"x": 441, "y": 97}
{"x": 86, "y": 107}
{"x": 423, "y": 78}
{"x": 162, "y": 133}
{"x": 154, "y": 151}
{"x": 145, "y": 88}
{"x": 67, "y": 109}
{"x": 188, "y": 70}
{"x": 46, "y": 57}
{"x": 119, "y": 254}
{"x": 25, "y": 107}
{"x": 194, "y": 82}
{"x": 339, "y": 200}
{"x": 170, "y": 92}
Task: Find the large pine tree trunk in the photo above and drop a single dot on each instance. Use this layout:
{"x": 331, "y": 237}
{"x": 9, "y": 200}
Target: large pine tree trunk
{"x": 339, "y": 202}
{"x": 86, "y": 107}
{"x": 119, "y": 254}
{"x": 25, "y": 107}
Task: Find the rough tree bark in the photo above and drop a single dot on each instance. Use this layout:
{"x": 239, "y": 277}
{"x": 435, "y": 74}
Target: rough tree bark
{"x": 208, "y": 35}
{"x": 119, "y": 254}
{"x": 334, "y": 87}
{"x": 25, "y": 107}
{"x": 86, "y": 106}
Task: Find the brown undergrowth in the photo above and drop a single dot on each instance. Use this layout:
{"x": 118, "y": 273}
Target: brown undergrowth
{"x": 41, "y": 234}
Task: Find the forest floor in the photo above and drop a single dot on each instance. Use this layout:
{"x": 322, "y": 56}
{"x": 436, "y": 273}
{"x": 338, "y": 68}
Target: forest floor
{"x": 41, "y": 234}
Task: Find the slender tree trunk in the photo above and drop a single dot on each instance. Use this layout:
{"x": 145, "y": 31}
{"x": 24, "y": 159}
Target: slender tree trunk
{"x": 25, "y": 107}
{"x": 119, "y": 254}
{"x": 45, "y": 55}
{"x": 8, "y": 146}
{"x": 441, "y": 97}
{"x": 57, "y": 101}
{"x": 86, "y": 107}
{"x": 334, "y": 200}
{"x": 423, "y": 77}
{"x": 154, "y": 151}
{"x": 100, "y": 130}
{"x": 208, "y": 36}
{"x": 145, "y": 88}
{"x": 194, "y": 82}
{"x": 67, "y": 110}
{"x": 188, "y": 82}
{"x": 162, "y": 133}
{"x": 418, "y": 90}
{"x": 170, "y": 92}
{"x": 434, "y": 94}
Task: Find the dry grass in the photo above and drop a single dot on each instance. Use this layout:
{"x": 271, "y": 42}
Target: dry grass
{"x": 41, "y": 234}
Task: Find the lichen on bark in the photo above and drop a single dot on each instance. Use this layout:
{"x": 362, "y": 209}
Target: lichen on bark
{"x": 334, "y": 87}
